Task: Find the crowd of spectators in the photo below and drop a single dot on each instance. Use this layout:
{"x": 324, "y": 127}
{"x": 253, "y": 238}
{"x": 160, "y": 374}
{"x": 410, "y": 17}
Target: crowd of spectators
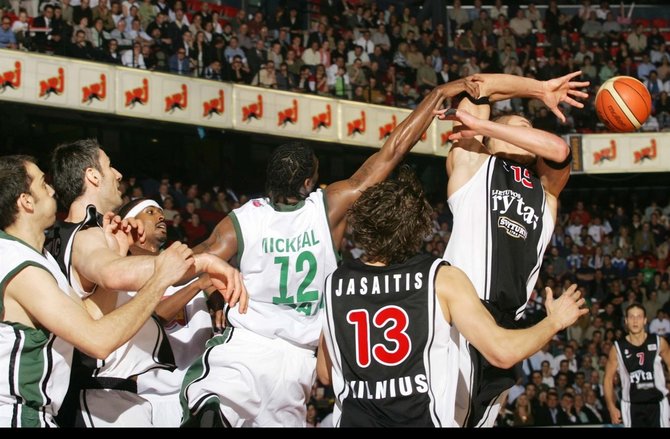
{"x": 355, "y": 49}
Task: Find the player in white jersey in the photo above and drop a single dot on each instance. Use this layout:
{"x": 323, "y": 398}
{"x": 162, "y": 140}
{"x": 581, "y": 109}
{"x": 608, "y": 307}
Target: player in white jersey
{"x": 85, "y": 183}
{"x": 260, "y": 372}
{"x": 388, "y": 318}
{"x": 36, "y": 343}
{"x": 183, "y": 313}
{"x": 637, "y": 359}
{"x": 503, "y": 194}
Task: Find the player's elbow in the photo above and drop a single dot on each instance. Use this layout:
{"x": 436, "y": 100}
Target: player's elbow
{"x": 501, "y": 358}
{"x": 560, "y": 150}
{"x": 96, "y": 350}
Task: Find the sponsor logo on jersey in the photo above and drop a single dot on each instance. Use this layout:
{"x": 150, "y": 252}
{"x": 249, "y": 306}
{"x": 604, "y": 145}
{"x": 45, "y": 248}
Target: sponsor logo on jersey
{"x": 651, "y": 347}
{"x": 511, "y": 202}
{"x": 513, "y": 229}
{"x": 626, "y": 353}
{"x": 640, "y": 376}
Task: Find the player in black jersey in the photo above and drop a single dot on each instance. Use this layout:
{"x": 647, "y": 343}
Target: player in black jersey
{"x": 503, "y": 193}
{"x": 388, "y": 318}
{"x": 637, "y": 358}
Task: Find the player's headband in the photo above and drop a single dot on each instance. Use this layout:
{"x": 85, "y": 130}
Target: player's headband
{"x": 132, "y": 213}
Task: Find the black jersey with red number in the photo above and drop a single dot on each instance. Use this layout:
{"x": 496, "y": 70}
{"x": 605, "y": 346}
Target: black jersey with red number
{"x": 641, "y": 371}
{"x": 388, "y": 340}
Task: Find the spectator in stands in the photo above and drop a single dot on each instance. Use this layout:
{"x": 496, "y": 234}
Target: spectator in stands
{"x": 80, "y": 48}
{"x": 637, "y": 41}
{"x": 101, "y": 11}
{"x": 134, "y": 58}
{"x": 7, "y": 37}
{"x": 266, "y": 76}
{"x": 111, "y": 53}
{"x": 201, "y": 54}
{"x": 213, "y": 71}
{"x": 46, "y": 39}
{"x": 82, "y": 10}
{"x": 239, "y": 72}
{"x": 233, "y": 50}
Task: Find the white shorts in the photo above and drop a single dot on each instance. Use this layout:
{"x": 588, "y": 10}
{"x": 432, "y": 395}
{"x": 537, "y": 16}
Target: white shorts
{"x": 255, "y": 381}
{"x": 24, "y": 416}
{"x": 114, "y": 408}
{"x": 164, "y": 400}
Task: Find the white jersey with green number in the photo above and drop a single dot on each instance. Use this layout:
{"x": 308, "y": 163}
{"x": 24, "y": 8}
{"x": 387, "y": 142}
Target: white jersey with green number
{"x": 34, "y": 363}
{"x": 285, "y": 254}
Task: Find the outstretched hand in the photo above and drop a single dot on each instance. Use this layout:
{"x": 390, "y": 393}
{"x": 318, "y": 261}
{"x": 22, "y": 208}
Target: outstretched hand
{"x": 566, "y": 309}
{"x": 563, "y": 89}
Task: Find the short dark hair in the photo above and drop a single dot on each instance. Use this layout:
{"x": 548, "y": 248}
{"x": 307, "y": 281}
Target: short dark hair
{"x": 635, "y": 305}
{"x": 288, "y": 168}
{"x": 68, "y": 166}
{"x": 14, "y": 181}
{"x": 391, "y": 218}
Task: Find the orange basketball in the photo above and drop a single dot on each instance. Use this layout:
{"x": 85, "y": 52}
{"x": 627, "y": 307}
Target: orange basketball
{"x": 623, "y": 104}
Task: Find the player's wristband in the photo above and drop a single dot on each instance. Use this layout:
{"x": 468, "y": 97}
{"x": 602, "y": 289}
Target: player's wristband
{"x": 556, "y": 165}
{"x": 482, "y": 100}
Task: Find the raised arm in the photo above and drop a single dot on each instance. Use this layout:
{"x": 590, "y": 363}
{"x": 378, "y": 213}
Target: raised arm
{"x": 71, "y": 322}
{"x": 342, "y": 194}
{"x": 498, "y": 87}
{"x": 608, "y": 385}
{"x": 502, "y": 347}
{"x": 552, "y": 151}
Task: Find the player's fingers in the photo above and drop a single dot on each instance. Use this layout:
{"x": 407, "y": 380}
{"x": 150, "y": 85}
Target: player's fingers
{"x": 579, "y": 84}
{"x": 569, "y": 76}
{"x": 573, "y": 102}
{"x": 244, "y": 298}
{"x": 578, "y": 93}
{"x": 558, "y": 114}
{"x": 235, "y": 294}
{"x": 550, "y": 295}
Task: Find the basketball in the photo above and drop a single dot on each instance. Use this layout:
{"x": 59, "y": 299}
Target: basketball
{"x": 623, "y": 104}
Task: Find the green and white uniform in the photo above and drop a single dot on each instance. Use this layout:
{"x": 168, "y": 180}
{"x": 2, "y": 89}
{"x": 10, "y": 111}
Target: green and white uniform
{"x": 34, "y": 363}
{"x": 260, "y": 372}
